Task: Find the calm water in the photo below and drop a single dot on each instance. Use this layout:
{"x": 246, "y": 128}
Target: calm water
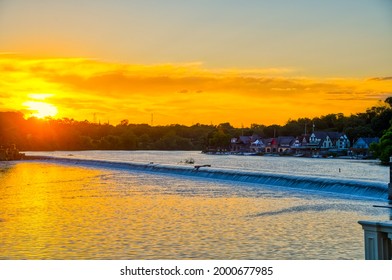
{"x": 58, "y": 210}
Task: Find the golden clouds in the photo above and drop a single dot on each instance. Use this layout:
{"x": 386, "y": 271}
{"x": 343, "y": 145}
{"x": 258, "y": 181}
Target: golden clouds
{"x": 179, "y": 93}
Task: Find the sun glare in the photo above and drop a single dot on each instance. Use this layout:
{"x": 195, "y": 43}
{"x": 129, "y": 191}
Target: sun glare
{"x": 40, "y": 96}
{"x": 41, "y": 109}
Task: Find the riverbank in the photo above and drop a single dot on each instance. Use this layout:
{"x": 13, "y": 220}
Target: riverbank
{"x": 298, "y": 155}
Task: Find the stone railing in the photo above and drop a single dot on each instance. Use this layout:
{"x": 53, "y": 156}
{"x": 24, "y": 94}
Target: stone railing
{"x": 378, "y": 240}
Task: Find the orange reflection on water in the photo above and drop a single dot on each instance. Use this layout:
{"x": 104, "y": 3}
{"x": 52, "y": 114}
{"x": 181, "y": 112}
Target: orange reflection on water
{"x": 50, "y": 211}
{"x": 55, "y": 211}
{"x": 34, "y": 207}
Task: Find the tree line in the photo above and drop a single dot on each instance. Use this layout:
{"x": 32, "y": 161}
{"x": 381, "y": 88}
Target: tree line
{"x": 67, "y": 134}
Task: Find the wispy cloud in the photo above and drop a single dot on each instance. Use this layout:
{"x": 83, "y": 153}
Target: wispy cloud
{"x": 381, "y": 79}
{"x": 180, "y": 93}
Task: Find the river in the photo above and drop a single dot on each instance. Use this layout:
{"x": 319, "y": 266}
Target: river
{"x": 153, "y": 205}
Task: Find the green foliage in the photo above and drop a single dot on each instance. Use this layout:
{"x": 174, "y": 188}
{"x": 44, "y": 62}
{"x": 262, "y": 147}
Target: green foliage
{"x": 128, "y": 140}
{"x": 68, "y": 134}
{"x": 171, "y": 141}
{"x": 383, "y": 150}
{"x": 220, "y": 139}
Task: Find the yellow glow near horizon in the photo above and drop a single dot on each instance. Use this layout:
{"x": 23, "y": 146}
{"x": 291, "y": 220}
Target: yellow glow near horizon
{"x": 191, "y": 93}
{"x": 40, "y": 109}
{"x": 40, "y": 96}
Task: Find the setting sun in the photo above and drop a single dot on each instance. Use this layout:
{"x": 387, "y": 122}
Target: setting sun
{"x": 40, "y": 109}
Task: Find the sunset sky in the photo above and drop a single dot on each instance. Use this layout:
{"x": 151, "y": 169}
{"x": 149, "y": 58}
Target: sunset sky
{"x": 194, "y": 61}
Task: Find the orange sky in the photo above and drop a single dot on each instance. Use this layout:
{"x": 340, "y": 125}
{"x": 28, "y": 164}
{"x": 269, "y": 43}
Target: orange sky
{"x": 174, "y": 93}
{"x": 195, "y": 61}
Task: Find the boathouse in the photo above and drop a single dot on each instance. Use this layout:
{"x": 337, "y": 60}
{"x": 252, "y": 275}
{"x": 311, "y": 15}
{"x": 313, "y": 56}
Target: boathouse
{"x": 362, "y": 145}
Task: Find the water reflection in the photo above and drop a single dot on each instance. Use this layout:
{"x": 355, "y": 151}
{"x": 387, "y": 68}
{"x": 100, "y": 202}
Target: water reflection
{"x": 50, "y": 211}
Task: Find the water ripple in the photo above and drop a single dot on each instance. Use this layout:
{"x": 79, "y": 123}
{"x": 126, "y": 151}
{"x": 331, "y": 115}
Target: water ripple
{"x": 300, "y": 208}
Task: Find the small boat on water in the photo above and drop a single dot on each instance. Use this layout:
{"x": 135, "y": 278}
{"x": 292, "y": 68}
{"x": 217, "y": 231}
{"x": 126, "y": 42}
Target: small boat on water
{"x": 272, "y": 155}
{"x": 298, "y": 155}
{"x": 248, "y": 154}
{"x": 189, "y": 161}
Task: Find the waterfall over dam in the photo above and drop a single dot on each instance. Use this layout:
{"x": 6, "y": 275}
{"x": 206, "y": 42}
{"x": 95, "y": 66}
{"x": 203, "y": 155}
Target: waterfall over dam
{"x": 355, "y": 187}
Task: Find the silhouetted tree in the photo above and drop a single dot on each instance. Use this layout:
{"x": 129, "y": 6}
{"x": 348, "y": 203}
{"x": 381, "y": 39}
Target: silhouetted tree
{"x": 383, "y": 149}
{"x": 68, "y": 134}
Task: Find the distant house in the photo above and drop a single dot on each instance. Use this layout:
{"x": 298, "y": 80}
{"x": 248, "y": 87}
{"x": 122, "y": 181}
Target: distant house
{"x": 362, "y": 145}
{"x": 298, "y": 143}
{"x": 321, "y": 143}
{"x": 316, "y": 144}
{"x": 342, "y": 143}
{"x": 285, "y": 143}
{"x": 328, "y": 140}
{"x": 281, "y": 144}
{"x": 257, "y": 146}
{"x": 271, "y": 145}
{"x": 244, "y": 144}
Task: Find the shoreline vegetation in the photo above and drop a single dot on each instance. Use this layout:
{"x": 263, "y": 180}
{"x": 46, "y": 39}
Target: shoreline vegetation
{"x": 65, "y": 134}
